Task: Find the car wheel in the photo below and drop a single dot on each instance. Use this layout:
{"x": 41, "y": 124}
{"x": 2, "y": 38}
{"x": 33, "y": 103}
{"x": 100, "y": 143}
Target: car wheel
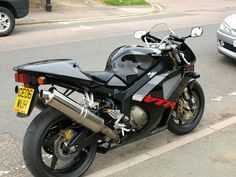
{"x": 7, "y": 22}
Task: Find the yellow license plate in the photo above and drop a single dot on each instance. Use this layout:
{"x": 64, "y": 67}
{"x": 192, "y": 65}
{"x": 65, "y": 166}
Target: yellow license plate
{"x": 23, "y": 100}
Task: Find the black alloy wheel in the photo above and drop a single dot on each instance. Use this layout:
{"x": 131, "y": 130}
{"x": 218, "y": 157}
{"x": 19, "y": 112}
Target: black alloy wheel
{"x": 44, "y": 150}
{"x": 183, "y": 122}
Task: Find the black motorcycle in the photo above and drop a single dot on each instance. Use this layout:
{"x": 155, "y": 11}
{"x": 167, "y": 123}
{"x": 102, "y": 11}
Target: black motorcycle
{"x": 142, "y": 91}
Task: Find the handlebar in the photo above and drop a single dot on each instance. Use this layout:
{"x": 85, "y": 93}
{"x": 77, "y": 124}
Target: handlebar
{"x": 169, "y": 40}
{"x": 177, "y": 39}
{"x": 152, "y": 39}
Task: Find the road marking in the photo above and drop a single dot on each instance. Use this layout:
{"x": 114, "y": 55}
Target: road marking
{"x": 4, "y": 172}
{"x": 219, "y": 98}
{"x": 232, "y": 94}
{"x": 64, "y": 23}
{"x": 81, "y": 28}
{"x": 164, "y": 149}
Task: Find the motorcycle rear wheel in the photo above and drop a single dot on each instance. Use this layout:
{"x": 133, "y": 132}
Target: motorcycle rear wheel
{"x": 180, "y": 127}
{"x": 40, "y": 155}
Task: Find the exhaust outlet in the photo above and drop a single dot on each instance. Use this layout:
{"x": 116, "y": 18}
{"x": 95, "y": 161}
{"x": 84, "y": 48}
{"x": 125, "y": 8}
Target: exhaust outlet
{"x": 77, "y": 113}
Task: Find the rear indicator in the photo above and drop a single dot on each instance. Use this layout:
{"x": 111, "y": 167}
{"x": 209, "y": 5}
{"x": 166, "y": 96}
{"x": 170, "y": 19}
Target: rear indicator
{"x": 22, "y": 78}
{"x": 41, "y": 80}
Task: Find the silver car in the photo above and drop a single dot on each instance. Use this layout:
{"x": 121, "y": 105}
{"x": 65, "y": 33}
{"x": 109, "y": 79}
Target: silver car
{"x": 226, "y": 37}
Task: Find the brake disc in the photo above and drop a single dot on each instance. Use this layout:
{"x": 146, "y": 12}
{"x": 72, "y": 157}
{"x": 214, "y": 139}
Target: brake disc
{"x": 49, "y": 140}
{"x": 62, "y": 152}
{"x": 185, "y": 112}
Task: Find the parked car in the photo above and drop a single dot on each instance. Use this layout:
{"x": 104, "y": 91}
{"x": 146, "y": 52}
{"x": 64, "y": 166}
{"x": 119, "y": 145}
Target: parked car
{"x": 226, "y": 37}
{"x": 9, "y": 10}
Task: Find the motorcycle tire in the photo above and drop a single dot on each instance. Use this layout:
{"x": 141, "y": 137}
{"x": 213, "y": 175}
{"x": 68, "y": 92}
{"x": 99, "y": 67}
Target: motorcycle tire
{"x": 35, "y": 137}
{"x": 188, "y": 127}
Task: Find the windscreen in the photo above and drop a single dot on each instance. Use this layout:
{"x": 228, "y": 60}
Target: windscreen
{"x": 161, "y": 30}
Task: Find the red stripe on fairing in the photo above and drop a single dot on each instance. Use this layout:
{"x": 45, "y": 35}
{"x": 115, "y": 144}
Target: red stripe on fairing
{"x": 159, "y": 101}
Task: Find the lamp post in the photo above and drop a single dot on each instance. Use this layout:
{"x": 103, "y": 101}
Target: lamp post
{"x": 48, "y": 6}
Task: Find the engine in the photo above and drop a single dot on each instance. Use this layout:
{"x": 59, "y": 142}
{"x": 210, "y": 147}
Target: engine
{"x": 138, "y": 117}
{"x": 136, "y": 121}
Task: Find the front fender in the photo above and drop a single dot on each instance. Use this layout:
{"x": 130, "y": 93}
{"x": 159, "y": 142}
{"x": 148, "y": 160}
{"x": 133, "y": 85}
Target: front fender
{"x": 191, "y": 83}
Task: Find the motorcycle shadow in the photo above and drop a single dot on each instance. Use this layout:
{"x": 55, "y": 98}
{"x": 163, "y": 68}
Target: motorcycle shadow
{"x": 131, "y": 150}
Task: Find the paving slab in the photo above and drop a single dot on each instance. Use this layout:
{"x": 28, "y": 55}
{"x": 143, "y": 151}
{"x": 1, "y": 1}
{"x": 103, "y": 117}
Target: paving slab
{"x": 214, "y": 155}
{"x": 11, "y": 157}
{"x": 84, "y": 14}
{"x": 75, "y": 11}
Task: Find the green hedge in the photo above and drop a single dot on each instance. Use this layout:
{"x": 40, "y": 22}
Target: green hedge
{"x": 125, "y": 2}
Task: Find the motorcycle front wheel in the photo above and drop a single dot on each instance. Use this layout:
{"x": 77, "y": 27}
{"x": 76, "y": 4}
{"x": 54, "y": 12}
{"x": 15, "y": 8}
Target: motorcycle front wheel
{"x": 44, "y": 148}
{"x": 188, "y": 111}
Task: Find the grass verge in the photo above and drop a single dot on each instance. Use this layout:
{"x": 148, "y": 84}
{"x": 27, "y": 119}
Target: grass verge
{"x": 125, "y": 2}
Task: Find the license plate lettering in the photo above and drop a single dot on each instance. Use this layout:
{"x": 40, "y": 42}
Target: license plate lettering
{"x": 30, "y": 94}
{"x": 23, "y": 100}
{"x": 25, "y": 93}
{"x": 22, "y": 104}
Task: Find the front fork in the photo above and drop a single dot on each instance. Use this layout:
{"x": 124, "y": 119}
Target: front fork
{"x": 188, "y": 93}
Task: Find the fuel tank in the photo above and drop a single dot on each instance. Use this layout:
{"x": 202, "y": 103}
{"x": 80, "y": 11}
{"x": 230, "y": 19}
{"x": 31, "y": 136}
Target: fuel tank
{"x": 131, "y": 62}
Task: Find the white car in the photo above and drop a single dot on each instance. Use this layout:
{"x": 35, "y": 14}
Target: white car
{"x": 226, "y": 37}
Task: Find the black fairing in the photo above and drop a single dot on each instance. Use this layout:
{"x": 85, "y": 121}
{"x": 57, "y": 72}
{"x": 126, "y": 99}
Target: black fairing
{"x": 58, "y": 71}
{"x": 130, "y": 62}
{"x": 188, "y": 53}
{"x": 58, "y": 67}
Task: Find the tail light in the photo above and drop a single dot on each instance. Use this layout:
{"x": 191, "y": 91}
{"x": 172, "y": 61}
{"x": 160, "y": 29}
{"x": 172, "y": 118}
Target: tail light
{"x": 21, "y": 77}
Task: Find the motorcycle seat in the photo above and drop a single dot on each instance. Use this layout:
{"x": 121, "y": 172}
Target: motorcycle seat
{"x": 101, "y": 76}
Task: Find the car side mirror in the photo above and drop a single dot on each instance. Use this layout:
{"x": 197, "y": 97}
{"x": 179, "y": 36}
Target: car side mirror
{"x": 196, "y": 31}
{"x": 139, "y": 34}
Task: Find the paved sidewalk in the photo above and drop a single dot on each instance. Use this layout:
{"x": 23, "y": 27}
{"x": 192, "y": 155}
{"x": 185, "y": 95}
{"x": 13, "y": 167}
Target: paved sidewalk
{"x": 84, "y": 14}
{"x": 210, "y": 152}
{"x": 194, "y": 6}
{"x": 92, "y": 12}
{"x": 11, "y": 158}
{"x": 212, "y": 156}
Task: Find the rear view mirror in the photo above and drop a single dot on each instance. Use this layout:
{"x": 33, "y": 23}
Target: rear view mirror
{"x": 139, "y": 34}
{"x": 196, "y": 31}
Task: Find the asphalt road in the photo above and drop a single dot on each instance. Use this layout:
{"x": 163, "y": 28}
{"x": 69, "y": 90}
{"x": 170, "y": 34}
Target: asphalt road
{"x": 90, "y": 45}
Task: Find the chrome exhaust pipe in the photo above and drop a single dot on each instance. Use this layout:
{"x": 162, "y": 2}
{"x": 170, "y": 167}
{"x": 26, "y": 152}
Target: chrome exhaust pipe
{"x": 77, "y": 113}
